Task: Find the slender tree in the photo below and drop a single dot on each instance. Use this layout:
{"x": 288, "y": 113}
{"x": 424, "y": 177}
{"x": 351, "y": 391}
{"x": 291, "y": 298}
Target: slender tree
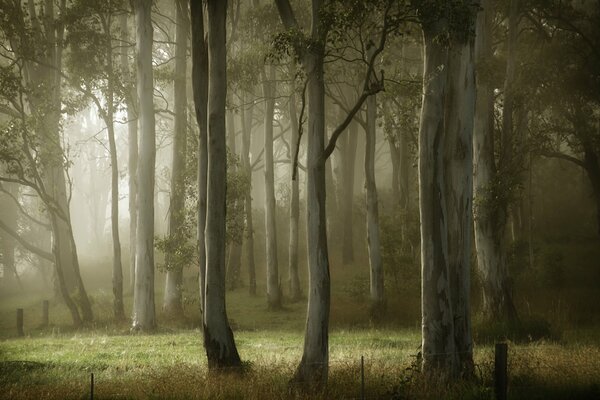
{"x": 173, "y": 285}
{"x": 219, "y": 343}
{"x": 143, "y": 297}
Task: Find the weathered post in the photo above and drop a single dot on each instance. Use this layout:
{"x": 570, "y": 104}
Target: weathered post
{"x": 501, "y": 371}
{"x": 92, "y": 387}
{"x": 20, "y": 322}
{"x": 45, "y": 313}
{"x": 362, "y": 377}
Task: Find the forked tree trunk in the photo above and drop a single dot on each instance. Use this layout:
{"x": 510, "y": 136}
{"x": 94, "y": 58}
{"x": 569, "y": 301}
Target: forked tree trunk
{"x": 273, "y": 287}
{"x": 294, "y": 279}
{"x": 438, "y": 346}
{"x": 377, "y": 306}
{"x": 246, "y": 141}
{"x": 131, "y": 102}
{"x": 200, "y": 90}
{"x": 219, "y": 344}
{"x": 314, "y": 365}
{"x": 173, "y": 285}
{"x": 143, "y": 296}
{"x": 458, "y": 169}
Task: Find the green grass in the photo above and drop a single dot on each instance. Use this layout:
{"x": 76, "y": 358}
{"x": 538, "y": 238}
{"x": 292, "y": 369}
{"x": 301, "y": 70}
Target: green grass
{"x": 173, "y": 365}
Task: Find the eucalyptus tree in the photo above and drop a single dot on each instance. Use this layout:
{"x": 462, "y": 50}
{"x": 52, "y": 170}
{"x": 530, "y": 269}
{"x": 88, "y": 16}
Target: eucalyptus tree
{"x": 131, "y": 100}
{"x": 32, "y": 149}
{"x": 310, "y": 51}
{"x": 273, "y": 287}
{"x": 143, "y": 295}
{"x": 90, "y": 36}
{"x": 173, "y": 285}
{"x": 219, "y": 343}
{"x": 200, "y": 93}
{"x": 445, "y": 185}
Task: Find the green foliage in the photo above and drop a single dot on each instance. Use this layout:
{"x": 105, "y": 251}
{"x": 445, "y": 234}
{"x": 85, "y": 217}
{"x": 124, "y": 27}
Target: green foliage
{"x": 238, "y": 185}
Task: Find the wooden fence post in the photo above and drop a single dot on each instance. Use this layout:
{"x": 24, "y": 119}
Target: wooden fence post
{"x": 92, "y": 387}
{"x": 362, "y": 377}
{"x": 20, "y": 322}
{"x": 501, "y": 371}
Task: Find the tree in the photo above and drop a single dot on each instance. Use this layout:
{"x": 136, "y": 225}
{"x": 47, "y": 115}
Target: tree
{"x": 143, "y": 297}
{"x": 273, "y": 287}
{"x": 38, "y": 161}
{"x": 174, "y": 282}
{"x": 445, "y": 173}
{"x": 310, "y": 51}
{"x": 219, "y": 343}
{"x": 373, "y": 242}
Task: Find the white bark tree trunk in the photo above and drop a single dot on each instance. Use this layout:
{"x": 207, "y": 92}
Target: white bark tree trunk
{"x": 458, "y": 169}
{"x": 273, "y": 287}
{"x": 173, "y": 285}
{"x": 143, "y": 297}
{"x": 220, "y": 346}
{"x": 131, "y": 102}
{"x": 438, "y": 321}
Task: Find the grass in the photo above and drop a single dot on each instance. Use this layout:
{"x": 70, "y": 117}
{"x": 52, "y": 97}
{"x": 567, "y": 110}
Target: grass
{"x": 55, "y": 362}
{"x": 172, "y": 365}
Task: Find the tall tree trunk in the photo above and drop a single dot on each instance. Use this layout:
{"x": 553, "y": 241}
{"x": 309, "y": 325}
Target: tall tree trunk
{"x": 458, "y": 169}
{"x": 117, "y": 270}
{"x": 246, "y": 141}
{"x": 314, "y": 366}
{"x": 490, "y": 217}
{"x": 131, "y": 102}
{"x": 220, "y": 346}
{"x": 273, "y": 287}
{"x": 347, "y": 189}
{"x": 377, "y": 306}
{"x": 438, "y": 323}
{"x": 143, "y": 297}
{"x": 200, "y": 90}
{"x": 294, "y": 279}
{"x": 234, "y": 261}
{"x": 173, "y": 285}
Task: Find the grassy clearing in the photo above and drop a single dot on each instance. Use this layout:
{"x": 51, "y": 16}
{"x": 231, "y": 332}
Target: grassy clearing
{"x": 172, "y": 365}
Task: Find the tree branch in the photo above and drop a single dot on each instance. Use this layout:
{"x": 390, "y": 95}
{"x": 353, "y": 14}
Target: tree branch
{"x": 35, "y": 250}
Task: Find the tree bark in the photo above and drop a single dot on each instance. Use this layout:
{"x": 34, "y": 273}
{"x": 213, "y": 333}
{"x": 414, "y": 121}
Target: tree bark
{"x": 438, "y": 322}
{"x": 490, "y": 216}
{"x": 294, "y": 279}
{"x": 219, "y": 343}
{"x": 458, "y": 169}
{"x": 117, "y": 270}
{"x": 173, "y": 285}
{"x": 377, "y": 306}
{"x": 273, "y": 287}
{"x": 200, "y": 90}
{"x": 9, "y": 218}
{"x": 131, "y": 101}
{"x": 234, "y": 261}
{"x": 314, "y": 365}
{"x": 246, "y": 141}
{"x": 143, "y": 297}
{"x": 347, "y": 190}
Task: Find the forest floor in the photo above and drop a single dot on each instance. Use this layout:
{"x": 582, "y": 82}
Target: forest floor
{"x": 56, "y": 362}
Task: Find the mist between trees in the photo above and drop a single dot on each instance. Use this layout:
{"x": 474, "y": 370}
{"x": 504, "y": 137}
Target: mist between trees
{"x": 386, "y": 163}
